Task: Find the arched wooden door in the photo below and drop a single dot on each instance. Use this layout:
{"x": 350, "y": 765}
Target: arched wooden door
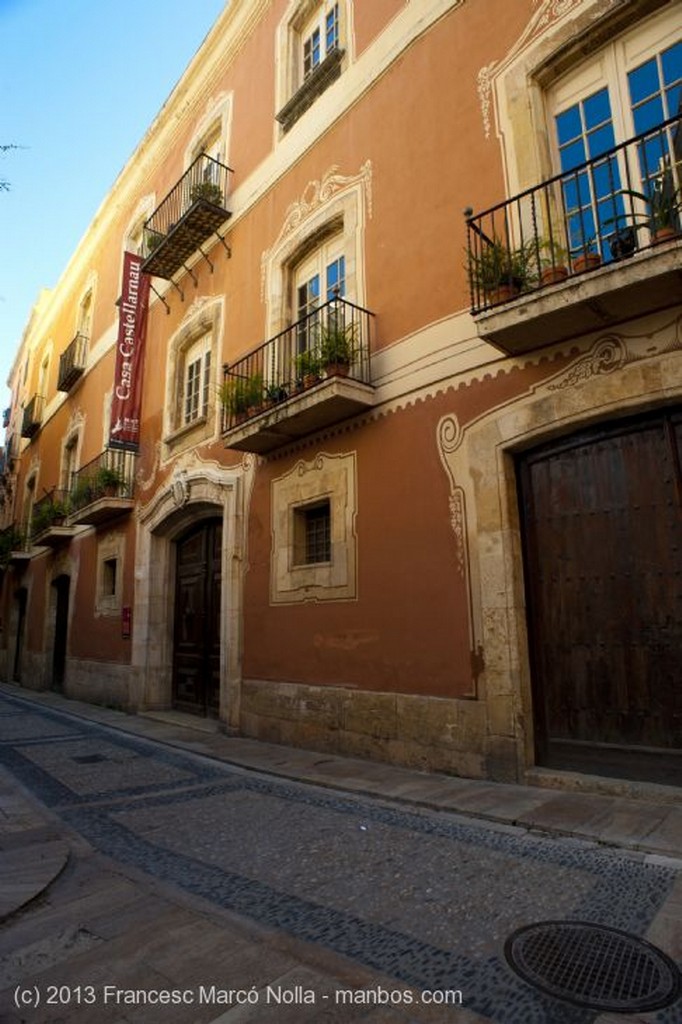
{"x": 602, "y": 533}
{"x": 196, "y": 649}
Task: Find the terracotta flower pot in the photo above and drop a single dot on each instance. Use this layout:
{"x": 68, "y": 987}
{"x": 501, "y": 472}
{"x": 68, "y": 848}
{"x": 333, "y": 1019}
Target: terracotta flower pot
{"x": 588, "y": 261}
{"x": 552, "y": 275}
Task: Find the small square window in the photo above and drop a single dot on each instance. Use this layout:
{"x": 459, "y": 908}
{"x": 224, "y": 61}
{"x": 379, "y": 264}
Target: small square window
{"x": 109, "y": 570}
{"x": 312, "y": 533}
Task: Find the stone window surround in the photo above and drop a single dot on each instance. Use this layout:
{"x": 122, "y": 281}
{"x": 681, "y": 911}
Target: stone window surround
{"x": 523, "y": 79}
{"x": 111, "y": 546}
{"x": 288, "y": 49}
{"x": 340, "y": 213}
{"x": 177, "y": 434}
{"x": 332, "y": 477}
{"x": 218, "y": 112}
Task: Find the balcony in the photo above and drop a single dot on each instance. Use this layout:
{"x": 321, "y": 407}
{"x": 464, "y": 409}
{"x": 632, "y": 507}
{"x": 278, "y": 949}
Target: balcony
{"x": 72, "y": 363}
{"x": 192, "y": 211}
{"x": 33, "y": 416}
{"x": 48, "y": 520}
{"x": 310, "y": 376}
{"x": 15, "y": 546}
{"x": 103, "y": 489}
{"x": 583, "y": 251}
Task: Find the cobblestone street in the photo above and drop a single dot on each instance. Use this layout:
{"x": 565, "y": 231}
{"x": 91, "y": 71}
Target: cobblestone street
{"x": 186, "y": 872}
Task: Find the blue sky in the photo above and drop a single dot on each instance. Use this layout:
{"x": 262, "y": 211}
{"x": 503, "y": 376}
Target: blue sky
{"x": 80, "y": 81}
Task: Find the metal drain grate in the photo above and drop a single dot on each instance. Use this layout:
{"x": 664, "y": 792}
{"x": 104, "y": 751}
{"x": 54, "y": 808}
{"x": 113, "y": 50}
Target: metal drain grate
{"x": 590, "y": 965}
{"x": 89, "y": 758}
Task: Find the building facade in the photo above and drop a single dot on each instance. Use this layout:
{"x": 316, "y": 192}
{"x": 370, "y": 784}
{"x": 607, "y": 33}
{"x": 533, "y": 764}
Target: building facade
{"x": 407, "y": 479}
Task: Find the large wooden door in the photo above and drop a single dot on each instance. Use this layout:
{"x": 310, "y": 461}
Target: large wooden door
{"x": 196, "y": 654}
{"x": 602, "y": 529}
{"x": 61, "y": 626}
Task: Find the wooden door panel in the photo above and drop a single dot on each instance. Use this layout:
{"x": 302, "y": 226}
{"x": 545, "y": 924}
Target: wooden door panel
{"x": 196, "y": 655}
{"x": 602, "y": 527}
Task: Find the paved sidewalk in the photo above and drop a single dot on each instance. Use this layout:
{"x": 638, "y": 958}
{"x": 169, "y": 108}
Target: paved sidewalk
{"x": 646, "y": 819}
{"x": 98, "y": 914}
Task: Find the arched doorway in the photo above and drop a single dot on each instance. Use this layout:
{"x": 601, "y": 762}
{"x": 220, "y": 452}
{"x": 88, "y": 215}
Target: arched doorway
{"x": 602, "y": 533}
{"x": 196, "y": 635}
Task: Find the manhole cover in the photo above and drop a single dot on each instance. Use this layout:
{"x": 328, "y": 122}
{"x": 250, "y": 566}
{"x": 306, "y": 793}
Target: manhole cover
{"x": 89, "y": 758}
{"x": 589, "y": 965}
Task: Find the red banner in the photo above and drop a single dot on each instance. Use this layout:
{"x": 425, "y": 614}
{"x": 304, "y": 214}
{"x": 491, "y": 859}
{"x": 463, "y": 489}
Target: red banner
{"x": 126, "y": 400}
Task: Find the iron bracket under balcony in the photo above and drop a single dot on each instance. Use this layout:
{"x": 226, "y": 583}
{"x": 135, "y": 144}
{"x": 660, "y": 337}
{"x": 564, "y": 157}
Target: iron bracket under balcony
{"x": 311, "y": 376}
{"x": 192, "y": 211}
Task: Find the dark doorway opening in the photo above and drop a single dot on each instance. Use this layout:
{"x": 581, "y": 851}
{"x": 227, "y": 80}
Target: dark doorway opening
{"x": 196, "y": 648}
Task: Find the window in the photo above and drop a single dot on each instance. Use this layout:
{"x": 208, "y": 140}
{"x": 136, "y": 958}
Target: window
{"x": 312, "y": 533}
{"x": 85, "y": 315}
{"x": 109, "y": 580}
{"x": 197, "y": 380}
{"x": 314, "y": 509}
{"x": 189, "y": 413}
{"x": 320, "y": 277}
{"x": 310, "y": 55}
{"x": 69, "y": 462}
{"x": 632, "y": 87}
{"x": 320, "y": 36}
{"x": 109, "y": 569}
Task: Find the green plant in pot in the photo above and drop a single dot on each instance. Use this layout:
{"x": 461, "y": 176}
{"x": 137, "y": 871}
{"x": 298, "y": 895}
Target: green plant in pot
{"x": 308, "y": 366}
{"x": 208, "y": 191}
{"x": 233, "y": 396}
{"x": 337, "y": 346}
{"x": 108, "y": 481}
{"x": 553, "y": 261}
{"x": 48, "y": 513}
{"x": 663, "y": 205}
{"x": 500, "y": 272}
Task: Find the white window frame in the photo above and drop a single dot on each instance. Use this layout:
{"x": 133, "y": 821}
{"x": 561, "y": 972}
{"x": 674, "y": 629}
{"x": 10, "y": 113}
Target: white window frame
{"x": 196, "y": 380}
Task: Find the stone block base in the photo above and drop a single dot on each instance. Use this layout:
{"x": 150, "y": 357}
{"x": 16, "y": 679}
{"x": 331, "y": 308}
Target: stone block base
{"x": 428, "y": 733}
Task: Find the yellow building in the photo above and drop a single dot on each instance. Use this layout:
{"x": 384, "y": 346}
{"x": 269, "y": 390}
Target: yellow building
{"x": 406, "y": 478}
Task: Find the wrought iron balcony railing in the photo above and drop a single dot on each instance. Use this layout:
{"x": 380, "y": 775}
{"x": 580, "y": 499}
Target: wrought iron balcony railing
{"x": 33, "y": 416}
{"x": 72, "y": 362}
{"x": 110, "y": 475}
{"x": 192, "y": 211}
{"x": 14, "y": 542}
{"x": 50, "y": 511}
{"x": 626, "y": 199}
{"x": 332, "y": 341}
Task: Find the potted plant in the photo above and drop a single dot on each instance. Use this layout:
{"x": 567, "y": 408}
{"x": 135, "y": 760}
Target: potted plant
{"x": 585, "y": 257}
{"x": 499, "y": 272}
{"x": 152, "y": 240}
{"x": 82, "y": 493}
{"x": 663, "y": 205}
{"x": 108, "y": 482}
{"x": 233, "y": 397}
{"x": 48, "y": 512}
{"x": 208, "y": 191}
{"x": 275, "y": 393}
{"x": 308, "y": 367}
{"x": 254, "y": 393}
{"x": 554, "y": 266}
{"x": 337, "y": 346}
